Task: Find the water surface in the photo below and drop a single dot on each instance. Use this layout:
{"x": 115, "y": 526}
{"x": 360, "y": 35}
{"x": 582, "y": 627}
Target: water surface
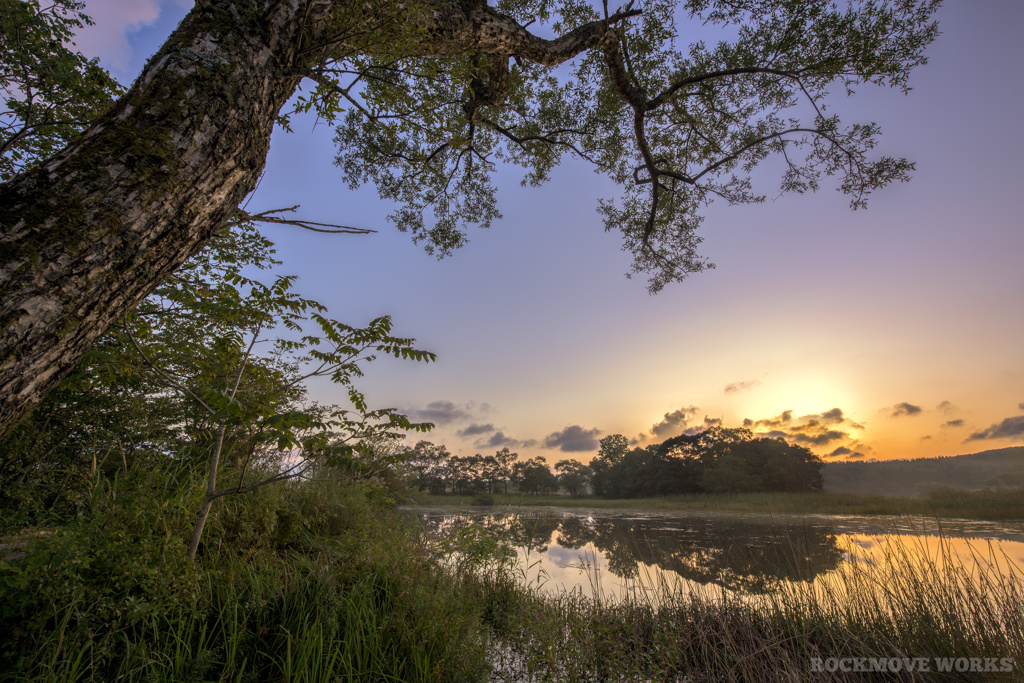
{"x": 615, "y": 553}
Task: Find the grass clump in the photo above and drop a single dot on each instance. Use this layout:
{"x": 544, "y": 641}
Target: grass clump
{"x": 305, "y": 581}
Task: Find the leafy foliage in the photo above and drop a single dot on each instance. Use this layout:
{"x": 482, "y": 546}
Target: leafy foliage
{"x": 211, "y": 369}
{"x": 50, "y": 92}
{"x": 675, "y": 128}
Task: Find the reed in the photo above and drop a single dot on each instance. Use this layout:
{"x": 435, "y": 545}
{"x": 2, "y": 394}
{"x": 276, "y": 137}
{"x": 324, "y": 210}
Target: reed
{"x": 907, "y": 602}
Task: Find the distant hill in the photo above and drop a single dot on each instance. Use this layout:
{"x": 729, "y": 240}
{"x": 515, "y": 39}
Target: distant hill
{"x": 1001, "y": 467}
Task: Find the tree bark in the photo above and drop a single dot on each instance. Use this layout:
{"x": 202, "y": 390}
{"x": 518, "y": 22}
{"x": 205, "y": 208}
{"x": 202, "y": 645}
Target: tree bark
{"x": 90, "y": 232}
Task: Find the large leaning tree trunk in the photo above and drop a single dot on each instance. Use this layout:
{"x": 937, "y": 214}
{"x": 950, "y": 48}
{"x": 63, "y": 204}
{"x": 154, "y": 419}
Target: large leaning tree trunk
{"x": 88, "y": 233}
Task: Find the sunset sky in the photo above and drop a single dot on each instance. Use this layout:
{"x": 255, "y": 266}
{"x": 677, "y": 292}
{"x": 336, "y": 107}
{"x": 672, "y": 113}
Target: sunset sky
{"x": 887, "y": 333}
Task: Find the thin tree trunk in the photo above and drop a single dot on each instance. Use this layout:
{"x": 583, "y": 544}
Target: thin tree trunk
{"x": 211, "y": 494}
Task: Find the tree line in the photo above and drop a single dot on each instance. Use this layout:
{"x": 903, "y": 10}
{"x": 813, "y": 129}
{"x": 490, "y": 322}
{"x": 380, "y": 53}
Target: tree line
{"x": 718, "y": 460}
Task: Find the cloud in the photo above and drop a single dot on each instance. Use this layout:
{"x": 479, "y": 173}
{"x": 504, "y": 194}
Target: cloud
{"x": 474, "y": 429}
{"x": 737, "y": 387}
{"x": 1021, "y": 406}
{"x": 855, "y": 456}
{"x": 113, "y": 21}
{"x": 1010, "y": 428}
{"x": 926, "y": 437}
{"x": 772, "y": 422}
{"x": 501, "y": 440}
{"x": 842, "y": 450}
{"x": 674, "y": 423}
{"x": 712, "y": 422}
{"x": 574, "y": 439}
{"x": 834, "y": 416}
{"x": 953, "y": 424}
{"x": 946, "y": 407}
{"x": 447, "y": 412}
{"x": 905, "y": 409}
{"x": 822, "y": 438}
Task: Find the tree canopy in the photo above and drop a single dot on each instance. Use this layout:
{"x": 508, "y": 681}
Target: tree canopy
{"x": 428, "y": 98}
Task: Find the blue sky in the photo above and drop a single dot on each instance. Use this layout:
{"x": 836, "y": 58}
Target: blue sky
{"x": 906, "y": 317}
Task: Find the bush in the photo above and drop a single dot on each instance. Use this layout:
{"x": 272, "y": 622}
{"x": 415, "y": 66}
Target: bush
{"x": 301, "y": 581}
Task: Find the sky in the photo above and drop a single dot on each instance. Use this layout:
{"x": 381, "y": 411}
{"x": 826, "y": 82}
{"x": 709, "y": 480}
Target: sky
{"x": 891, "y": 332}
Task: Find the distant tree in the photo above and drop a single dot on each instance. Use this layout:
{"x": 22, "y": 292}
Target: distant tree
{"x": 428, "y": 464}
{"x": 573, "y": 476}
{"x": 506, "y": 459}
{"x": 762, "y": 465}
{"x": 536, "y": 477}
{"x": 719, "y": 459}
{"x": 612, "y": 449}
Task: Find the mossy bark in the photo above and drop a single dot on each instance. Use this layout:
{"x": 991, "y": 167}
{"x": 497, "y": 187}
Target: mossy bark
{"x": 90, "y": 232}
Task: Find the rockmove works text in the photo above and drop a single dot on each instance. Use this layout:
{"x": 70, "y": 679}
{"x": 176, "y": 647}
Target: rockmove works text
{"x": 941, "y": 664}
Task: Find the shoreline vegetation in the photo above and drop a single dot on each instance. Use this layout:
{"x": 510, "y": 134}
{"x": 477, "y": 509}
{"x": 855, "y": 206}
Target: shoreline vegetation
{"x": 330, "y": 581}
{"x": 942, "y": 502}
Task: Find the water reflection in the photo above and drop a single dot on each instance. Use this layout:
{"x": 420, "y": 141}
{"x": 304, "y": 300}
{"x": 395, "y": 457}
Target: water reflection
{"x": 613, "y": 552}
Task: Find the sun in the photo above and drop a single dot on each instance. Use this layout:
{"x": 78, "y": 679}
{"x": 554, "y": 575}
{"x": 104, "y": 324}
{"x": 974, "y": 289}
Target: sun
{"x": 804, "y": 394}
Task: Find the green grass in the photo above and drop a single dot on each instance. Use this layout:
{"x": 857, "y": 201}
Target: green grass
{"x": 308, "y": 582}
{"x": 1005, "y": 504}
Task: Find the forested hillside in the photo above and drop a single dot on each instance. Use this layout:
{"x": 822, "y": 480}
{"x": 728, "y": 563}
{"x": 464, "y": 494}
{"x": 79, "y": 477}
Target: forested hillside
{"x": 1002, "y": 467}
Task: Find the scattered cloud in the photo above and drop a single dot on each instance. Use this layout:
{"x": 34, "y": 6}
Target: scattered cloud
{"x": 815, "y": 430}
{"x": 501, "y": 440}
{"x": 674, "y": 423}
{"x": 926, "y": 437}
{"x": 856, "y": 456}
{"x": 772, "y": 422}
{"x": 946, "y": 407}
{"x": 905, "y": 408}
{"x": 821, "y": 438}
{"x": 1010, "y": 428}
{"x": 953, "y": 424}
{"x": 710, "y": 422}
{"x": 573, "y": 439}
{"x": 446, "y": 412}
{"x": 737, "y": 387}
{"x": 475, "y": 429}
{"x": 1021, "y": 406}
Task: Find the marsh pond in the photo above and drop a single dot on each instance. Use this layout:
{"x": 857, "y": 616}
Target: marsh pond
{"x": 615, "y": 554}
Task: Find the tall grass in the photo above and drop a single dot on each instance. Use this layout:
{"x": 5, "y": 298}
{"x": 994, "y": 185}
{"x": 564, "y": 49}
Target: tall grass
{"x": 306, "y": 582}
{"x": 909, "y": 601}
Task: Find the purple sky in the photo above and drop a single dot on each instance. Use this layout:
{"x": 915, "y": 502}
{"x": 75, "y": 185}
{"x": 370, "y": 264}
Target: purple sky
{"x": 891, "y": 332}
